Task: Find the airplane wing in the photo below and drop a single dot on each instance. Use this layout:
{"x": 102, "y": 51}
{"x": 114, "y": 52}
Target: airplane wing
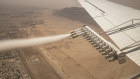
{"x": 120, "y": 22}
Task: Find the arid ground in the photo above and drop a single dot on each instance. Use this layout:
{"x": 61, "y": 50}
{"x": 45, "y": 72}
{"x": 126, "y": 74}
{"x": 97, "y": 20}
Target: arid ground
{"x": 66, "y": 59}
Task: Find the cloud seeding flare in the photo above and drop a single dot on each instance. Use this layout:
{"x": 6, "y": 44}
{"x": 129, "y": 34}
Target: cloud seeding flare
{"x": 20, "y": 43}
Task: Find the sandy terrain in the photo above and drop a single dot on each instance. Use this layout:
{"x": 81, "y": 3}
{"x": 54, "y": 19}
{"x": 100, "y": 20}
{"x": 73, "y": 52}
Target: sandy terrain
{"x": 129, "y": 3}
{"x": 15, "y": 22}
{"x": 69, "y": 58}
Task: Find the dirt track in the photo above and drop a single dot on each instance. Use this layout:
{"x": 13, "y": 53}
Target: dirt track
{"x": 69, "y": 58}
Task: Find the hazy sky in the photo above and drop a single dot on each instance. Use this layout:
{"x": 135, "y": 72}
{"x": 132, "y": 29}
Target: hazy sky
{"x": 42, "y": 3}
{"x": 63, "y": 3}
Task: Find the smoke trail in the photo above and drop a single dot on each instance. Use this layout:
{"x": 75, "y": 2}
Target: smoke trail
{"x": 19, "y": 43}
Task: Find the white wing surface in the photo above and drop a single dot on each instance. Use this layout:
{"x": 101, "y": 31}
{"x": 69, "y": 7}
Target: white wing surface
{"x": 110, "y": 15}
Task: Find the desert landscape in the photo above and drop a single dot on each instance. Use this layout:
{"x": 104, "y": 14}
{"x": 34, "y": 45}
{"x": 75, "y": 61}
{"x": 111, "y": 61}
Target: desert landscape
{"x": 66, "y": 59}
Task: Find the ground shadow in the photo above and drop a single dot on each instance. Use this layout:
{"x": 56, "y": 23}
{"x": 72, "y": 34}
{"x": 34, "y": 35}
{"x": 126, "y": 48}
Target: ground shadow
{"x": 76, "y": 14}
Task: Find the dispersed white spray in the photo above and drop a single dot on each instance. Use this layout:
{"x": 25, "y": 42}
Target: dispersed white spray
{"x": 19, "y": 43}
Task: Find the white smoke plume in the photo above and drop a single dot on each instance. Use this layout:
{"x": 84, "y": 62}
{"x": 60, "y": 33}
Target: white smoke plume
{"x": 20, "y": 43}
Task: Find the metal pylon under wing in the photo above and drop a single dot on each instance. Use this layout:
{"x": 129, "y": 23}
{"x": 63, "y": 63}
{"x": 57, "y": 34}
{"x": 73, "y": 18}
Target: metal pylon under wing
{"x": 107, "y": 49}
